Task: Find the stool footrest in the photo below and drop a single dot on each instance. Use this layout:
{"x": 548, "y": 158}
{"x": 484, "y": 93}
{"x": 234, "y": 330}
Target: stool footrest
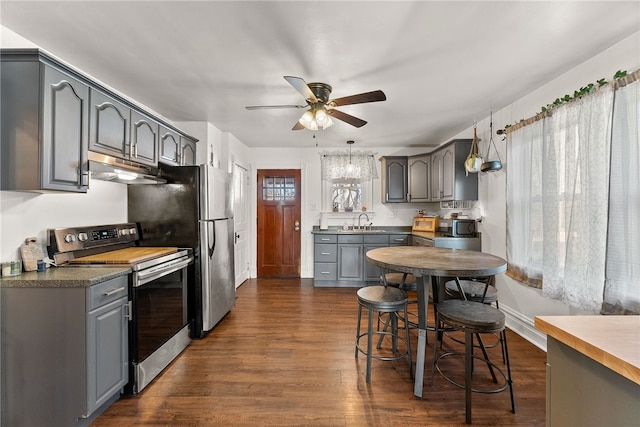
{"x": 498, "y": 389}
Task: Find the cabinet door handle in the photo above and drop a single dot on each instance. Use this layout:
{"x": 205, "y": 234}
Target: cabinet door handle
{"x": 114, "y": 291}
{"x": 325, "y": 253}
{"x": 325, "y": 272}
{"x": 325, "y": 240}
{"x": 127, "y": 313}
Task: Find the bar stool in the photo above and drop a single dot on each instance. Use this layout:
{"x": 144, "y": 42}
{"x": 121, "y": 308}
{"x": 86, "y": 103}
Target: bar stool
{"x": 480, "y": 289}
{"x": 473, "y": 318}
{"x": 383, "y": 299}
{"x": 406, "y": 282}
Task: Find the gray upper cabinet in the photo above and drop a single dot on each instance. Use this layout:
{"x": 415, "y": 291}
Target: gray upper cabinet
{"x": 44, "y": 113}
{"x": 120, "y": 131}
{"x": 188, "y": 151}
{"x": 169, "y": 146}
{"x": 109, "y": 124}
{"x": 145, "y": 134}
{"x": 449, "y": 178}
{"x": 394, "y": 179}
{"x": 419, "y": 178}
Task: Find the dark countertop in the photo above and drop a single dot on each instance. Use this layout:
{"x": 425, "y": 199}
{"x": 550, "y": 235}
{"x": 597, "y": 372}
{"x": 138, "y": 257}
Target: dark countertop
{"x": 64, "y": 277}
{"x": 391, "y": 230}
{"x": 375, "y": 230}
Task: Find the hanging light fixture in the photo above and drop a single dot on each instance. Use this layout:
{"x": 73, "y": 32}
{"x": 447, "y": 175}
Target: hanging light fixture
{"x": 350, "y": 167}
{"x": 317, "y": 117}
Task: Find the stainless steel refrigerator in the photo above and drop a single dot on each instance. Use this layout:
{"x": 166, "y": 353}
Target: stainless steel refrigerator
{"x": 193, "y": 210}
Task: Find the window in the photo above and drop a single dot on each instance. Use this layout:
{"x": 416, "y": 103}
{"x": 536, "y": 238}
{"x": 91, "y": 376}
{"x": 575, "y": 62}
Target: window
{"x": 347, "y": 181}
{"x": 557, "y": 192}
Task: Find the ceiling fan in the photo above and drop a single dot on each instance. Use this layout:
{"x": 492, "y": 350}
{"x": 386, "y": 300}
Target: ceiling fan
{"x": 321, "y": 108}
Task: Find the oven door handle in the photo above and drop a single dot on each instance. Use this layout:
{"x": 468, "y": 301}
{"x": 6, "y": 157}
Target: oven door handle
{"x": 150, "y": 274}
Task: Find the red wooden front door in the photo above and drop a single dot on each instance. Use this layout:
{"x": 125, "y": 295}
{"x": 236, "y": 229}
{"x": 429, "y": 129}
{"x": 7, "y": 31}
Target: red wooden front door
{"x": 278, "y": 223}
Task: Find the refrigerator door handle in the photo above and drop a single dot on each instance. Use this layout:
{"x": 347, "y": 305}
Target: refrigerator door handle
{"x": 212, "y": 248}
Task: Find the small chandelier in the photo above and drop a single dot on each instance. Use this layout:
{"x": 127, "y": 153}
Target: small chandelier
{"x": 317, "y": 117}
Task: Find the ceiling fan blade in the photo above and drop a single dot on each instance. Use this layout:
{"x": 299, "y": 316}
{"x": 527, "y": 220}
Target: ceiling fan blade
{"x": 297, "y": 126}
{"x": 353, "y": 121}
{"x": 301, "y": 86}
{"x": 273, "y": 107}
{"x": 361, "y": 98}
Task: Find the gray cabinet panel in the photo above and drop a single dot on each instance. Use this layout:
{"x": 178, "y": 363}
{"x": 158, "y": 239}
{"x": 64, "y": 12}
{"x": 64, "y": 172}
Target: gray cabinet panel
{"x": 398, "y": 239}
{"x": 349, "y": 262}
{"x": 44, "y": 132}
{"x": 187, "y": 152}
{"x": 325, "y": 253}
{"x": 109, "y": 124}
{"x": 106, "y": 353}
{"x": 325, "y": 271}
{"x": 169, "y": 146}
{"x": 394, "y": 179}
{"x": 419, "y": 178}
{"x": 325, "y": 238}
{"x": 145, "y": 134}
{"x": 371, "y": 272}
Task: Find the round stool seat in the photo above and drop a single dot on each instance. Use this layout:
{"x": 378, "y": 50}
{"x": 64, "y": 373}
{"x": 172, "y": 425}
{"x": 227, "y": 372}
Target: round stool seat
{"x": 381, "y": 298}
{"x": 395, "y": 279}
{"x": 471, "y": 315}
{"x": 472, "y": 290}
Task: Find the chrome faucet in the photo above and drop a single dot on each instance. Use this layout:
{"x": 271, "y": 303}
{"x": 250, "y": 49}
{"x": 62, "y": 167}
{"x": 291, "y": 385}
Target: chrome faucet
{"x": 359, "y": 217}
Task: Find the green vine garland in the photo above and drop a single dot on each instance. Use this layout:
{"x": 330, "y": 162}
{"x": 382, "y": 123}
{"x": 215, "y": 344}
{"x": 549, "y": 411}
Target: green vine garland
{"x": 578, "y": 93}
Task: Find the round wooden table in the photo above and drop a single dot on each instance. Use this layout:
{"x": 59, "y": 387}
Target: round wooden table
{"x": 428, "y": 262}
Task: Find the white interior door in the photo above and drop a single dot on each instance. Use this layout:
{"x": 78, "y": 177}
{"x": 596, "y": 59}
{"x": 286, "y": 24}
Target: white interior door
{"x": 241, "y": 222}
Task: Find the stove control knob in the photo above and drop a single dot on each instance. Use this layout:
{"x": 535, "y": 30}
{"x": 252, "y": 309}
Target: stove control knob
{"x": 124, "y": 232}
{"x": 68, "y": 238}
{"x": 132, "y": 231}
{"x": 83, "y": 237}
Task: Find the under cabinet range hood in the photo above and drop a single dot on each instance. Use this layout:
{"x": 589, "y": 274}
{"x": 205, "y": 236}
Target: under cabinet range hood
{"x": 108, "y": 168}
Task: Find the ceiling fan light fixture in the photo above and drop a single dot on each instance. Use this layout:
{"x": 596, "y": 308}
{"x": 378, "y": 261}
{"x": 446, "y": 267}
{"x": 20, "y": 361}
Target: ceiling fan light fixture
{"x": 307, "y": 119}
{"x": 322, "y": 118}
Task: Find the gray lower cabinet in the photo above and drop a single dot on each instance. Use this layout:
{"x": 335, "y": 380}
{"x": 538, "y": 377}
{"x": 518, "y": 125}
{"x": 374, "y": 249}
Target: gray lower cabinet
{"x": 340, "y": 259}
{"x": 65, "y": 352}
{"x": 44, "y": 113}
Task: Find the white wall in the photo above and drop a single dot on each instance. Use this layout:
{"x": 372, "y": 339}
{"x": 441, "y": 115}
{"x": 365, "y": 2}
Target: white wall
{"x": 520, "y": 302}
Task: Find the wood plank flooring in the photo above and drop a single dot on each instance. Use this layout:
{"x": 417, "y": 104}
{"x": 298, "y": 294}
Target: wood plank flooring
{"x": 284, "y": 356}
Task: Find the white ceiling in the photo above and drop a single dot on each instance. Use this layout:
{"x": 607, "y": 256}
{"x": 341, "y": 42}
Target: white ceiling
{"x": 442, "y": 64}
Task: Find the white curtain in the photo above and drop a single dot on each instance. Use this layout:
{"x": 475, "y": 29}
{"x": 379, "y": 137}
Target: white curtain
{"x": 346, "y": 167}
{"x": 557, "y": 196}
{"x": 575, "y": 199}
{"x": 622, "y": 288}
{"x": 524, "y": 204}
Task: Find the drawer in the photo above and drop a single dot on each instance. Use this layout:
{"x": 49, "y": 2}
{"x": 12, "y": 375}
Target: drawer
{"x": 108, "y": 291}
{"x": 325, "y": 253}
{"x": 376, "y": 239}
{"x": 350, "y": 238}
{"x": 325, "y": 271}
{"x": 398, "y": 239}
{"x": 325, "y": 238}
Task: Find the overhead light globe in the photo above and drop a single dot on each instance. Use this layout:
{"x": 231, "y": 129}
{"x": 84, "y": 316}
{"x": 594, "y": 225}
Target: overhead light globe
{"x": 322, "y": 118}
{"x": 306, "y": 119}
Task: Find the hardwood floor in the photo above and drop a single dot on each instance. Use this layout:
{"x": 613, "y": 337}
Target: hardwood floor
{"x": 284, "y": 356}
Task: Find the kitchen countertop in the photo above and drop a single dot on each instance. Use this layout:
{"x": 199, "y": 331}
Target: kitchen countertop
{"x": 613, "y": 341}
{"x": 64, "y": 277}
{"x": 374, "y": 230}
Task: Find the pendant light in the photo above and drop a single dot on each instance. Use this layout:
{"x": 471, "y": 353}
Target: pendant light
{"x": 474, "y": 161}
{"x": 491, "y": 165}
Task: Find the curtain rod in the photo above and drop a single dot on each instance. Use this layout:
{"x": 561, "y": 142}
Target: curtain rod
{"x": 617, "y": 84}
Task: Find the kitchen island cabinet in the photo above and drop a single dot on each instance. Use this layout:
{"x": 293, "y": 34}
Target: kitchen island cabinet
{"x": 65, "y": 346}
{"x": 593, "y": 370}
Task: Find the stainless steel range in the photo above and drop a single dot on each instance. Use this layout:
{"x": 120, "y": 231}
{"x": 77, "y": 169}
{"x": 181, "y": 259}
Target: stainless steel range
{"x": 159, "y": 327}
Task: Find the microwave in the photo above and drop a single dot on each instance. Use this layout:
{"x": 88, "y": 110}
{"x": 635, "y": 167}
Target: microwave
{"x": 463, "y": 228}
{"x": 426, "y": 223}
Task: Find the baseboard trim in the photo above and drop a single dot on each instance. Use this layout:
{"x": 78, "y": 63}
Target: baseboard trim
{"x": 524, "y": 327}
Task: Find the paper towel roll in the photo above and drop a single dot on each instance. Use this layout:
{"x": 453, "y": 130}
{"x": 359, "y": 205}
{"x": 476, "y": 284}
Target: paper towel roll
{"x": 323, "y": 221}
